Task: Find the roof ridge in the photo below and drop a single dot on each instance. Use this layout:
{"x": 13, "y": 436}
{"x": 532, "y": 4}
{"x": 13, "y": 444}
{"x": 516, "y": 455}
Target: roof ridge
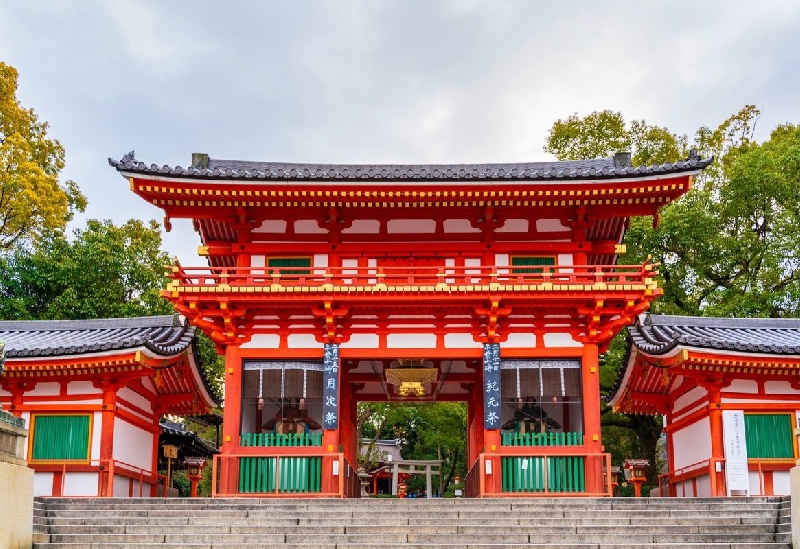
{"x": 89, "y": 324}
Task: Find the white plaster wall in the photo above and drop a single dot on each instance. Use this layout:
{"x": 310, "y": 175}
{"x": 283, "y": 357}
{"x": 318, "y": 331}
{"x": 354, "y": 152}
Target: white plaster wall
{"x": 363, "y": 226}
{"x": 564, "y": 259}
{"x": 755, "y": 484}
{"x": 82, "y": 388}
{"x": 704, "y": 486}
{"x": 320, "y": 261}
{"x": 362, "y": 341}
{"x": 692, "y": 443}
{"x": 684, "y": 489}
{"x": 43, "y": 484}
{"x": 687, "y": 398}
{"x": 303, "y": 341}
{"x": 271, "y": 226}
{"x": 550, "y": 225}
{"x": 97, "y": 429}
{"x": 514, "y": 226}
{"x": 136, "y": 399}
{"x": 520, "y": 340}
{"x": 460, "y": 341}
{"x": 501, "y": 260}
{"x": 80, "y": 484}
{"x": 742, "y": 386}
{"x": 121, "y": 486}
{"x": 263, "y": 341}
{"x": 416, "y": 226}
{"x": 459, "y": 226}
{"x": 779, "y": 388}
{"x": 133, "y": 445}
{"x": 781, "y": 483}
{"x": 411, "y": 341}
{"x": 308, "y": 226}
{"x": 560, "y": 340}
{"x": 44, "y": 389}
{"x": 258, "y": 260}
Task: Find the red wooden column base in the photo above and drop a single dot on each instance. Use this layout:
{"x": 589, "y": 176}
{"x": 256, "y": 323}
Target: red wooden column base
{"x": 231, "y": 423}
{"x": 493, "y": 482}
{"x": 591, "y": 417}
{"x": 330, "y": 445}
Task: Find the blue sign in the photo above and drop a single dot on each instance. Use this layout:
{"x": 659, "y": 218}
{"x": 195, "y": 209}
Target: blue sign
{"x": 330, "y": 387}
{"x": 491, "y": 386}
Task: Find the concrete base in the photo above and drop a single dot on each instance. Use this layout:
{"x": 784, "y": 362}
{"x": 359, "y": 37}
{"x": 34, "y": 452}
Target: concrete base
{"x": 794, "y": 482}
{"x": 16, "y": 501}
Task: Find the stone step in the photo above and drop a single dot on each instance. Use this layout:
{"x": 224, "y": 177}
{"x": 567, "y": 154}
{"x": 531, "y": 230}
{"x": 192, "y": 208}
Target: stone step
{"x": 558, "y": 523}
{"x": 421, "y": 546}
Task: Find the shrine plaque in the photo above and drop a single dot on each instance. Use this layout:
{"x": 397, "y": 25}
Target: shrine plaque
{"x": 330, "y": 387}
{"x": 491, "y": 386}
{"x": 170, "y": 451}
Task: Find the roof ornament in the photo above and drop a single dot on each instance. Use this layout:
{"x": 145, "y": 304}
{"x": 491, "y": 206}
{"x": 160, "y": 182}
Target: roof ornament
{"x": 693, "y": 154}
{"x": 130, "y": 157}
{"x": 622, "y": 160}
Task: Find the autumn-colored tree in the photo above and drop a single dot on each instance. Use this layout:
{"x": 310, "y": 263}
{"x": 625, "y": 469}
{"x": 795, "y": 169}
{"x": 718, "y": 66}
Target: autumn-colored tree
{"x": 32, "y": 200}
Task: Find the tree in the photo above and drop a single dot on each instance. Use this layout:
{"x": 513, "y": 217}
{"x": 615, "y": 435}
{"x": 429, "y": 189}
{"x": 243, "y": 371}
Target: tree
{"x": 103, "y": 271}
{"x": 728, "y": 247}
{"x": 428, "y": 431}
{"x": 32, "y": 201}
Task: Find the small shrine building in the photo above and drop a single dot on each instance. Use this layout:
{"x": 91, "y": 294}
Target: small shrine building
{"x": 492, "y": 284}
{"x": 729, "y": 392}
{"x": 92, "y": 392}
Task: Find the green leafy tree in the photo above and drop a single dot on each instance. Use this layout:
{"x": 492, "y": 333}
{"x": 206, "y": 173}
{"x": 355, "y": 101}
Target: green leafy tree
{"x": 103, "y": 271}
{"x": 427, "y": 431}
{"x": 728, "y": 247}
{"x": 32, "y": 200}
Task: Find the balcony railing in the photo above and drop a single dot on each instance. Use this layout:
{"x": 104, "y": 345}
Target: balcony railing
{"x": 287, "y": 475}
{"x": 537, "y": 473}
{"x": 406, "y": 279}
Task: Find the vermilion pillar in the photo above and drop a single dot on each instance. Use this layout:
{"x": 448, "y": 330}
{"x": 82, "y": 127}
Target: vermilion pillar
{"x": 231, "y": 421}
{"x": 590, "y": 379}
{"x": 717, "y": 442}
{"x": 105, "y": 484}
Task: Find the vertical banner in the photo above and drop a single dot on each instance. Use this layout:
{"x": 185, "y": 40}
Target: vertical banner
{"x": 491, "y": 386}
{"x": 330, "y": 392}
{"x": 737, "y": 477}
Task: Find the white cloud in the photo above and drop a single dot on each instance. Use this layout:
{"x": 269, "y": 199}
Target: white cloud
{"x": 390, "y": 81}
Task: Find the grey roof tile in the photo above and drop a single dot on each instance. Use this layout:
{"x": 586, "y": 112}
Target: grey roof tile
{"x": 163, "y": 335}
{"x": 659, "y": 334}
{"x": 600, "y": 168}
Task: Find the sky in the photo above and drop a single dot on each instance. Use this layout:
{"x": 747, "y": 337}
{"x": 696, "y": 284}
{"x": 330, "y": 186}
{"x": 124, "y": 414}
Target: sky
{"x": 416, "y": 81}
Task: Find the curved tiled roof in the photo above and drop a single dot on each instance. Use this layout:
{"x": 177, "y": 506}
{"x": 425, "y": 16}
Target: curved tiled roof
{"x": 660, "y": 334}
{"x": 163, "y": 335}
{"x": 602, "y": 168}
{"x": 189, "y": 443}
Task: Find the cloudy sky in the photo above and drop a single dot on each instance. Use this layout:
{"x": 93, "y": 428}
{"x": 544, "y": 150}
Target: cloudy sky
{"x": 378, "y": 81}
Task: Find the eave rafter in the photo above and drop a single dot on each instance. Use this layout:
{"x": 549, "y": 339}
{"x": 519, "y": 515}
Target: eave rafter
{"x": 177, "y": 195}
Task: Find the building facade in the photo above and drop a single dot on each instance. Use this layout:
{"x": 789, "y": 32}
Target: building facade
{"x": 92, "y": 392}
{"x": 729, "y": 392}
{"x": 326, "y": 285}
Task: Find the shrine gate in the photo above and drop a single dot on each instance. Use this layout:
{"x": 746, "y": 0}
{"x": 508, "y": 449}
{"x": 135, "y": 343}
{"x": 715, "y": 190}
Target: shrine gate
{"x": 326, "y": 285}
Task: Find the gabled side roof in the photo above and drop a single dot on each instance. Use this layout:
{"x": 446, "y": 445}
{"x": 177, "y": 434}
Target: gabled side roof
{"x": 601, "y": 168}
{"x": 660, "y": 334}
{"x": 163, "y": 335}
{"x": 69, "y": 342}
{"x": 663, "y": 347}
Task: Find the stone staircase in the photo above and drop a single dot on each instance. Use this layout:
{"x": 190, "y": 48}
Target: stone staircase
{"x": 557, "y": 523}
